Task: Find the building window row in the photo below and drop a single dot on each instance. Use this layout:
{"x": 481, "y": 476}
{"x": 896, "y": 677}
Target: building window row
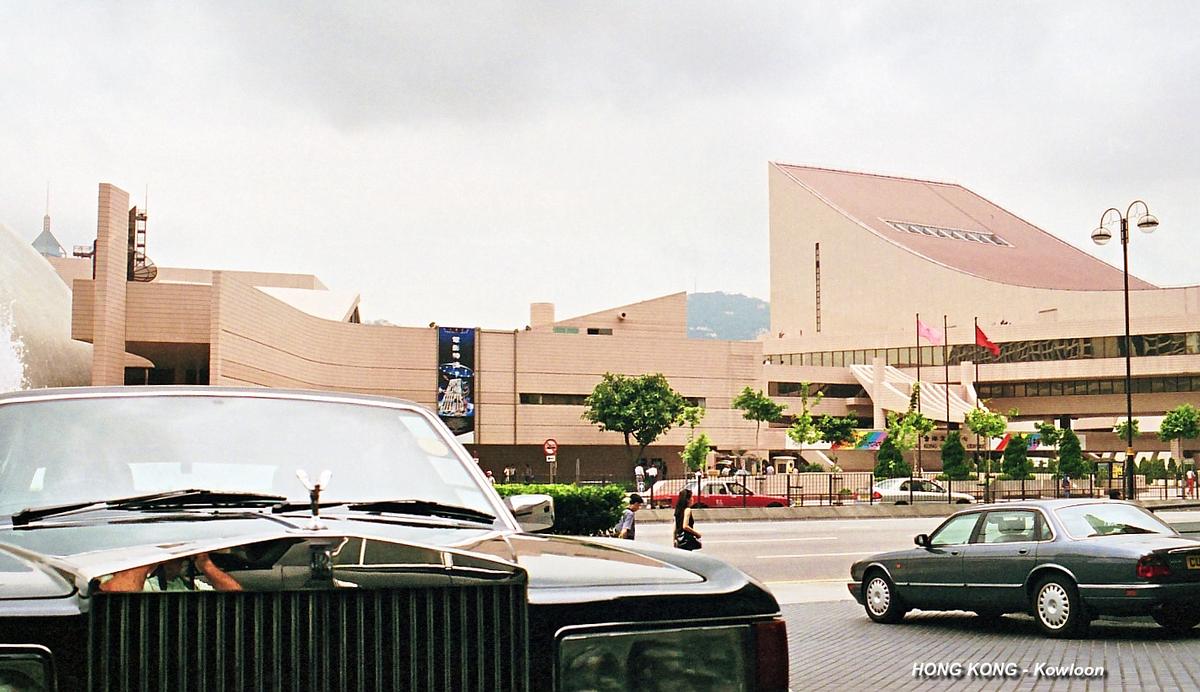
{"x": 950, "y": 233}
{"x": 591, "y": 331}
{"x": 1037, "y": 350}
{"x": 539, "y": 399}
{"x": 833, "y": 390}
{"x": 1141, "y": 385}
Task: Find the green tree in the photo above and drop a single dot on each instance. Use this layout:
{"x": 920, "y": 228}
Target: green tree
{"x": 889, "y": 461}
{"x": 691, "y": 417}
{"x": 1016, "y": 458}
{"x": 804, "y": 429}
{"x": 956, "y": 465}
{"x": 987, "y": 424}
{"x": 1070, "y": 456}
{"x": 1050, "y": 436}
{"x": 1122, "y": 429}
{"x": 837, "y": 430}
{"x": 695, "y": 452}
{"x": 758, "y": 407}
{"x": 640, "y": 407}
{"x": 1180, "y": 423}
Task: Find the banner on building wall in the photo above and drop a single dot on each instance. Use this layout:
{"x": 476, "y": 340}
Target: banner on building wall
{"x": 456, "y": 381}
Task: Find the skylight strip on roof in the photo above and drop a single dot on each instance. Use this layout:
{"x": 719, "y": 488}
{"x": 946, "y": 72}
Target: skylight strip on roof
{"x": 949, "y": 233}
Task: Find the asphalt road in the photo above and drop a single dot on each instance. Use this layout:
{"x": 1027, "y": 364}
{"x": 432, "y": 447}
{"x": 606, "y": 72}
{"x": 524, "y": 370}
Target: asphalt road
{"x": 809, "y": 561}
{"x": 806, "y": 564}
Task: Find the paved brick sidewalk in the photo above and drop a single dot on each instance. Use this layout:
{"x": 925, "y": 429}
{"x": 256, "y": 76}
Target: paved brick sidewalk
{"x": 833, "y": 646}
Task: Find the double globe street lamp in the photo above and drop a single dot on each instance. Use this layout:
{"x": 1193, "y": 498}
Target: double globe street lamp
{"x": 1147, "y": 222}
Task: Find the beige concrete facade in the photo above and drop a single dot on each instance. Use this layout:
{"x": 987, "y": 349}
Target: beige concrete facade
{"x": 258, "y": 329}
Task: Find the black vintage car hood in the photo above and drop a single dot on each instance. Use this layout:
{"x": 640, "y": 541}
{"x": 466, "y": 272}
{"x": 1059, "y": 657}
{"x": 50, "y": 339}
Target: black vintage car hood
{"x": 75, "y": 552}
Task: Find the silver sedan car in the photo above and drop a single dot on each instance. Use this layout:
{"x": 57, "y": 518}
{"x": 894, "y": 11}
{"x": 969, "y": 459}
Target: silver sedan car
{"x": 902, "y": 491}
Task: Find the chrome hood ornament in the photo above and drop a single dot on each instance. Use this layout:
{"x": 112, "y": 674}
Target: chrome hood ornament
{"x": 314, "y": 496}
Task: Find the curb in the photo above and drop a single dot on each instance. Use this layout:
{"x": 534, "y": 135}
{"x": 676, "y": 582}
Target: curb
{"x": 856, "y": 511}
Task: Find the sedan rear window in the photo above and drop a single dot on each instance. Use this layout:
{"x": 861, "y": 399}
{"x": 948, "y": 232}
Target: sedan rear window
{"x": 1110, "y": 519}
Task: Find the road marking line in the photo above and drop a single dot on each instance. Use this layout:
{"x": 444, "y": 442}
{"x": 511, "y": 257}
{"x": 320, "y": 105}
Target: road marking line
{"x": 806, "y": 581}
{"x": 767, "y": 557}
{"x": 776, "y": 540}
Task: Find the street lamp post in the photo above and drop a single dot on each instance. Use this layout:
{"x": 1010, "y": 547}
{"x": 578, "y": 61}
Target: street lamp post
{"x": 1147, "y": 222}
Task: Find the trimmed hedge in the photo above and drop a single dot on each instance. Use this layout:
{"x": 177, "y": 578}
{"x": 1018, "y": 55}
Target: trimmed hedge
{"x": 579, "y": 510}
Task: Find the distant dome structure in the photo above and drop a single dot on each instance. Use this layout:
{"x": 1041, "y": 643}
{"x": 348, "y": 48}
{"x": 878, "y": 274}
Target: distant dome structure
{"x": 36, "y": 349}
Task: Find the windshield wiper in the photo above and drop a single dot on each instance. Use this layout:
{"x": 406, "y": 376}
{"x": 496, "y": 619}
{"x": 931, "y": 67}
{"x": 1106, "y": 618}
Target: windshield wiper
{"x": 422, "y": 508}
{"x": 174, "y": 498}
{"x": 195, "y": 497}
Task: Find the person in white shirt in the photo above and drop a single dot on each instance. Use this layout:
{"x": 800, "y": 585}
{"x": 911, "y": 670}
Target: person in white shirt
{"x": 639, "y": 475}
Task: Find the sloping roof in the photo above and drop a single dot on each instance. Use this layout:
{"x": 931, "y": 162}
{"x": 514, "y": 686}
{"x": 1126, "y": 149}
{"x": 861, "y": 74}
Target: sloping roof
{"x": 953, "y": 226}
{"x": 330, "y": 305}
{"x": 47, "y": 244}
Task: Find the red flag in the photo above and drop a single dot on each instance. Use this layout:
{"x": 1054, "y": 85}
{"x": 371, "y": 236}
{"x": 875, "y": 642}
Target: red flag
{"x": 982, "y": 340}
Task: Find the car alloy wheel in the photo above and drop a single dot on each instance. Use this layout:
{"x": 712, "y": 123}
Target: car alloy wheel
{"x": 880, "y": 599}
{"x": 1057, "y": 608}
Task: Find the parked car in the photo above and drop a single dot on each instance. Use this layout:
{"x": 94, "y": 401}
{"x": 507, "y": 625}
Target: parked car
{"x": 1064, "y": 561}
{"x": 721, "y": 493}
{"x": 902, "y": 491}
{"x": 251, "y": 539}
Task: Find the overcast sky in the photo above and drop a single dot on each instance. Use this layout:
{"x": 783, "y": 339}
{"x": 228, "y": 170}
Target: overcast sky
{"x": 454, "y": 162}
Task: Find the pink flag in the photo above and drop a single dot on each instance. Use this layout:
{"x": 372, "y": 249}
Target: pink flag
{"x": 928, "y": 333}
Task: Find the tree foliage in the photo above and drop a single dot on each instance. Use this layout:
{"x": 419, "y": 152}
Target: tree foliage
{"x": 1070, "y": 456}
{"x": 956, "y": 465}
{"x": 1180, "y": 423}
{"x": 889, "y": 461}
{"x": 804, "y": 429}
{"x": 837, "y": 430}
{"x": 906, "y": 430}
{"x": 1122, "y": 429}
{"x": 757, "y": 407}
{"x": 695, "y": 452}
{"x": 640, "y": 407}
{"x": 1015, "y": 463}
{"x": 691, "y": 417}
{"x": 985, "y": 423}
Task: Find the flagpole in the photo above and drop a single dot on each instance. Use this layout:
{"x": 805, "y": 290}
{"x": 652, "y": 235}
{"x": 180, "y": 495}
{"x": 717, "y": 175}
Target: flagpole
{"x": 975, "y": 384}
{"x": 946, "y": 363}
{"x": 919, "y": 469}
{"x": 918, "y": 362}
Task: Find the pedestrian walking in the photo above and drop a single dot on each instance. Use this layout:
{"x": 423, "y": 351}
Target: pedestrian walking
{"x": 1190, "y": 490}
{"x": 1066, "y": 485}
{"x": 491, "y": 479}
{"x": 686, "y": 536}
{"x": 651, "y": 477}
{"x": 639, "y": 476}
{"x": 509, "y": 472}
{"x": 627, "y": 527}
{"x": 528, "y": 474}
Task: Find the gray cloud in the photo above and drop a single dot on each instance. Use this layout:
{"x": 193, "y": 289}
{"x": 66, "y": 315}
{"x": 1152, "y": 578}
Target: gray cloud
{"x": 456, "y": 161}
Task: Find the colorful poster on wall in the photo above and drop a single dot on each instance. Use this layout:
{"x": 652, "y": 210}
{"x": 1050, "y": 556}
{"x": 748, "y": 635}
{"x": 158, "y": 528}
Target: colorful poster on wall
{"x": 456, "y": 381}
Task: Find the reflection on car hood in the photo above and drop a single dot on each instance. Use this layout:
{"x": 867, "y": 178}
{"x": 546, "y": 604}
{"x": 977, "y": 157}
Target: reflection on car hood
{"x": 89, "y": 551}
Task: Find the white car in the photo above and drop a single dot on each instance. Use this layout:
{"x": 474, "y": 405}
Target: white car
{"x": 901, "y": 491}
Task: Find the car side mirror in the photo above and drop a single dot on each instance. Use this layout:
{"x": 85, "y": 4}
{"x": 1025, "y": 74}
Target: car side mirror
{"x": 533, "y": 512}
{"x": 922, "y": 540}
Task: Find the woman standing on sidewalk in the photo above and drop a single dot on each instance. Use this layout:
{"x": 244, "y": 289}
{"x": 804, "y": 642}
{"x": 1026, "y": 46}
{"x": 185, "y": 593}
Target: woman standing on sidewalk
{"x": 686, "y": 537}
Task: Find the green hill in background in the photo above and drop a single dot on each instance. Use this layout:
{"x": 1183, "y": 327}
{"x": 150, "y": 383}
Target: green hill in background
{"x": 726, "y": 316}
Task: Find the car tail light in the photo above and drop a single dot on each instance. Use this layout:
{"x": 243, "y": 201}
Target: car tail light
{"x": 1152, "y": 567}
{"x": 771, "y": 655}
{"x": 876, "y": 496}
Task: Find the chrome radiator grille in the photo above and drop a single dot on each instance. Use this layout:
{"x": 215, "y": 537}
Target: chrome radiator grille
{"x": 470, "y": 638}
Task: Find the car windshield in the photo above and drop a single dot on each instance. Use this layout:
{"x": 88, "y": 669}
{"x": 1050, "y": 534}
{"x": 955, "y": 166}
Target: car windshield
{"x": 1109, "y": 519}
{"x": 62, "y": 451}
